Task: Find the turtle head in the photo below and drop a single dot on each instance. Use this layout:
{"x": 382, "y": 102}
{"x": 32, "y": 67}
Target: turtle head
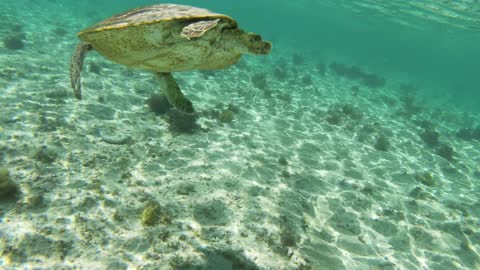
{"x": 255, "y": 44}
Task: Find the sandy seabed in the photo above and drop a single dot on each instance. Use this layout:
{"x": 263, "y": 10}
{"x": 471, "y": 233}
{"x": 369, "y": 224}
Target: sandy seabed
{"x": 287, "y": 166}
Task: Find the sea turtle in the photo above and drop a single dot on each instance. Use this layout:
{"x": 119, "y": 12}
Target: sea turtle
{"x": 166, "y": 38}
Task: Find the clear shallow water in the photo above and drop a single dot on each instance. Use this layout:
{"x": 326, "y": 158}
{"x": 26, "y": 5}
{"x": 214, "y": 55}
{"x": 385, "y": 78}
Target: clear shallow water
{"x": 353, "y": 145}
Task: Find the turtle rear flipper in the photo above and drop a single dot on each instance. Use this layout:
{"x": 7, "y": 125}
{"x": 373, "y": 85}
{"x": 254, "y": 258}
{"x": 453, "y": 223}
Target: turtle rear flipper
{"x": 76, "y": 66}
{"x": 174, "y": 94}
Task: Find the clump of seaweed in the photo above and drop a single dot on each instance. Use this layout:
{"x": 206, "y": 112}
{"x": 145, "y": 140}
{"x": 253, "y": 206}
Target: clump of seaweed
{"x": 382, "y": 143}
{"x": 288, "y": 235}
{"x": 410, "y": 107}
{"x": 425, "y": 124}
{"x": 226, "y": 116}
{"x": 339, "y": 69}
{"x": 234, "y": 108}
{"x": 94, "y": 68}
{"x": 425, "y": 178}
{"x": 14, "y": 39}
{"x": 280, "y": 73}
{"x": 181, "y": 122}
{"x": 307, "y": 79}
{"x": 259, "y": 80}
{"x": 154, "y": 214}
{"x": 334, "y": 117}
{"x": 340, "y": 112}
{"x": 14, "y": 42}
{"x": 283, "y": 161}
{"x": 298, "y": 59}
{"x": 158, "y": 104}
{"x": 45, "y": 155}
{"x": 60, "y": 31}
{"x": 419, "y": 194}
{"x": 469, "y": 134}
{"x": 373, "y": 81}
{"x": 321, "y": 68}
{"x": 351, "y": 111}
{"x": 408, "y": 88}
{"x": 446, "y": 151}
{"x": 356, "y": 73}
{"x": 430, "y": 136}
{"x": 355, "y": 90}
{"x": 366, "y": 132}
{"x": 8, "y": 189}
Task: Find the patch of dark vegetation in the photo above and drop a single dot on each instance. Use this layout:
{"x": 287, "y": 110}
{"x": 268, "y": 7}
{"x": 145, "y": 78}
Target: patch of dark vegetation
{"x": 341, "y": 112}
{"x": 212, "y": 213}
{"x": 94, "y": 68}
{"x": 282, "y": 161}
{"x": 419, "y": 193}
{"x": 306, "y": 79}
{"x": 217, "y": 259}
{"x": 351, "y": 111}
{"x": 280, "y": 73}
{"x": 409, "y": 106}
{"x": 233, "y": 108}
{"x": 388, "y": 100}
{"x": 408, "y": 88}
{"x": 321, "y": 68}
{"x": 226, "y": 116}
{"x": 259, "y": 80}
{"x": 185, "y": 189}
{"x": 14, "y": 38}
{"x": 14, "y": 42}
{"x": 382, "y": 143}
{"x": 288, "y": 238}
{"x": 425, "y": 124}
{"x": 49, "y": 124}
{"x": 355, "y": 90}
{"x": 288, "y": 235}
{"x": 285, "y": 97}
{"x": 154, "y": 214}
{"x": 373, "y": 81}
{"x": 158, "y": 104}
{"x": 181, "y": 122}
{"x": 60, "y": 31}
{"x": 356, "y": 73}
{"x": 334, "y": 117}
{"x": 8, "y": 189}
{"x": 430, "y": 136}
{"x": 222, "y": 113}
{"x": 469, "y": 134}
{"x": 366, "y": 132}
{"x": 446, "y": 151}
{"x": 45, "y": 155}
{"x": 425, "y": 178}
{"x": 57, "y": 94}
{"x": 298, "y": 59}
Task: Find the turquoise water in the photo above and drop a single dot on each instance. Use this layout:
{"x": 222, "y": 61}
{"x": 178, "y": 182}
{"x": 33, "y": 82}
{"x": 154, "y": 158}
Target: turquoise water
{"x": 354, "y": 144}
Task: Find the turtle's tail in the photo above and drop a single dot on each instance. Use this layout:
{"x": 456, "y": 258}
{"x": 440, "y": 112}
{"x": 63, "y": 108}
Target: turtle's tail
{"x": 76, "y": 66}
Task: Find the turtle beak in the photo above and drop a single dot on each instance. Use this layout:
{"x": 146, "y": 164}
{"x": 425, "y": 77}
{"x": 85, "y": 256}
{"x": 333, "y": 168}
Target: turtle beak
{"x": 266, "y": 48}
{"x": 262, "y": 48}
{"x": 258, "y": 45}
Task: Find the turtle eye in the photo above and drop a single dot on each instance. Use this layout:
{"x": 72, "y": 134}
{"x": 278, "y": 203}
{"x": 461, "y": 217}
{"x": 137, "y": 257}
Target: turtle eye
{"x": 256, "y": 38}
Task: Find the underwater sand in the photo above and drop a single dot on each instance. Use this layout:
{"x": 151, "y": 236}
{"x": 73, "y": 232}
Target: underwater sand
{"x": 297, "y": 180}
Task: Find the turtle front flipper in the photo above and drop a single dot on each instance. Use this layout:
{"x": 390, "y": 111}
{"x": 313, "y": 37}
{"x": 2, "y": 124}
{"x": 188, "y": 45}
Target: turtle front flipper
{"x": 197, "y": 29}
{"x": 174, "y": 94}
{"x": 76, "y": 66}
